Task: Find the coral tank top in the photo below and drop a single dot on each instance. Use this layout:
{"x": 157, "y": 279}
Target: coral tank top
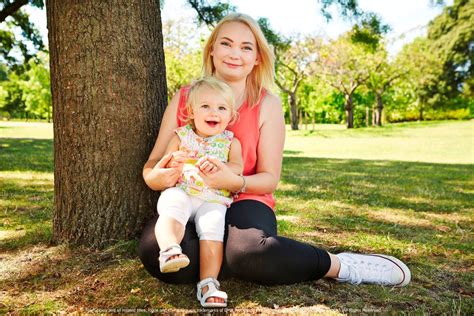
{"x": 247, "y": 131}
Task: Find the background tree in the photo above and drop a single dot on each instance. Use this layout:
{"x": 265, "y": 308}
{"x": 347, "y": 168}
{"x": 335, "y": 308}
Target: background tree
{"x": 344, "y": 66}
{"x": 36, "y": 88}
{"x": 317, "y": 100}
{"x": 451, "y": 34}
{"x": 381, "y": 76}
{"x": 422, "y": 68}
{"x": 109, "y": 94}
{"x": 11, "y": 102}
{"x": 294, "y": 64}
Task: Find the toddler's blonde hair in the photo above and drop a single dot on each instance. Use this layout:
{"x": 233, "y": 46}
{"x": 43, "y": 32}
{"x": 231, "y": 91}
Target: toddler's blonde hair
{"x": 216, "y": 86}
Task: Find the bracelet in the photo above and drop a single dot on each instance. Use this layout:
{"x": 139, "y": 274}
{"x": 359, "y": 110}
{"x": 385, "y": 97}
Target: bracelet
{"x": 242, "y": 188}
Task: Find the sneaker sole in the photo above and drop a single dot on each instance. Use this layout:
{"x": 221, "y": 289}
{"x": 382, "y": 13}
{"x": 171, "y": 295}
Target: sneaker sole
{"x": 403, "y": 267}
{"x": 174, "y": 265}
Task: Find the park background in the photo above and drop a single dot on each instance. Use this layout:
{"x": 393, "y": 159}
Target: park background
{"x": 397, "y": 181}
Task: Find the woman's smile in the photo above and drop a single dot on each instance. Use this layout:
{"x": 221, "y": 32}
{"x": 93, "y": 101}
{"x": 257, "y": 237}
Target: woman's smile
{"x": 232, "y": 65}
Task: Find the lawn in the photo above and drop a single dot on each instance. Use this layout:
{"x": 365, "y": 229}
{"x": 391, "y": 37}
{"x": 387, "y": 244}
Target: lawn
{"x": 403, "y": 189}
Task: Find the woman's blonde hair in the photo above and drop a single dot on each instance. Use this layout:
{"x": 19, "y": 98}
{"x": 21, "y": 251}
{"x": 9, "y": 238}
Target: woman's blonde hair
{"x": 262, "y": 75}
{"x": 216, "y": 86}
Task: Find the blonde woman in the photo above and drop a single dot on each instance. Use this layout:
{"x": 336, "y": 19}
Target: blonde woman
{"x": 238, "y": 53}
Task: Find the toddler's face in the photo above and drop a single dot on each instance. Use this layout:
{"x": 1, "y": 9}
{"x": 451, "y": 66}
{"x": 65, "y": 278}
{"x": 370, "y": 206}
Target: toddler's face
{"x": 211, "y": 113}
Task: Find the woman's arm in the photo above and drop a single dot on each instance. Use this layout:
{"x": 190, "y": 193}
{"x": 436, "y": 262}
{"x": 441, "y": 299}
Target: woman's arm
{"x": 270, "y": 148}
{"x": 155, "y": 173}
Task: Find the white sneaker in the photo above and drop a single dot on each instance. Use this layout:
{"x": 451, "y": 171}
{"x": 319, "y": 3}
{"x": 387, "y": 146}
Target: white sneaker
{"x": 375, "y": 269}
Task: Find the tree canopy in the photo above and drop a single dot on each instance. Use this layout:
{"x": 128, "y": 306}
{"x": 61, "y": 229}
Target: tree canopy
{"x": 452, "y": 36}
{"x": 399, "y": 87}
{"x": 13, "y": 16}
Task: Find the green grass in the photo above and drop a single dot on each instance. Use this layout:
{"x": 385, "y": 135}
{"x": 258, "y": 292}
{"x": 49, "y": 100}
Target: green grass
{"x": 404, "y": 189}
{"x": 34, "y": 130}
{"x": 437, "y": 142}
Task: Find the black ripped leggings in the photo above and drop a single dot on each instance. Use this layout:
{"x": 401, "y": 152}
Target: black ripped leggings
{"x": 253, "y": 250}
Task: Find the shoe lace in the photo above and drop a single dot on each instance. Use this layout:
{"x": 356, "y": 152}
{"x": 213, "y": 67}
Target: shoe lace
{"x": 368, "y": 272}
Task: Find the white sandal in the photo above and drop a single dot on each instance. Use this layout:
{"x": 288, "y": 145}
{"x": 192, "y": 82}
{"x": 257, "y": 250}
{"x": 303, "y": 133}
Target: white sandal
{"x": 212, "y": 291}
{"x": 168, "y": 265}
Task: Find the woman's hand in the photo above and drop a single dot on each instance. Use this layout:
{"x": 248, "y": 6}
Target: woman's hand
{"x": 160, "y": 176}
{"x": 177, "y": 159}
{"x": 220, "y": 178}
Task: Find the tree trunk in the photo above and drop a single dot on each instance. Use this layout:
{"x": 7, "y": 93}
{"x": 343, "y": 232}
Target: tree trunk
{"x": 421, "y": 111}
{"x": 305, "y": 121}
{"x": 293, "y": 111}
{"x": 367, "y": 112}
{"x": 374, "y": 120}
{"x": 378, "y": 116}
{"x": 108, "y": 87}
{"x": 349, "y": 111}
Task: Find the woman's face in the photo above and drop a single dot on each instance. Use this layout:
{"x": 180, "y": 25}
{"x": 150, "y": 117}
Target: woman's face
{"x": 234, "y": 52}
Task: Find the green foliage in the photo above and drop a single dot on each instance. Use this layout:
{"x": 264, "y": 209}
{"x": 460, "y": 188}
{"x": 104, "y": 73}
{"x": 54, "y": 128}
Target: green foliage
{"x": 451, "y": 34}
{"x": 25, "y": 92}
{"x": 422, "y": 68}
{"x": 369, "y": 31}
{"x": 322, "y": 102}
{"x": 347, "y": 8}
{"x": 11, "y": 98}
{"x": 211, "y": 11}
{"x": 15, "y": 18}
{"x": 183, "y": 53}
{"x": 36, "y": 88}
{"x": 368, "y": 27}
{"x": 279, "y": 42}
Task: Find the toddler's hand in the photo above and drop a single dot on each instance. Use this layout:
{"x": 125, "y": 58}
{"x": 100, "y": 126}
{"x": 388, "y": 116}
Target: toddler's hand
{"x": 206, "y": 166}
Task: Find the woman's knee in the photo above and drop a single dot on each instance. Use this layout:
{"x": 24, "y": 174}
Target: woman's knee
{"x": 245, "y": 251}
{"x": 148, "y": 252}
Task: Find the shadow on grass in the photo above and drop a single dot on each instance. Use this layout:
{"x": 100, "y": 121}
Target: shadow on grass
{"x": 292, "y": 152}
{"x": 85, "y": 280}
{"x": 114, "y": 278}
{"x": 25, "y": 154}
{"x": 339, "y": 195}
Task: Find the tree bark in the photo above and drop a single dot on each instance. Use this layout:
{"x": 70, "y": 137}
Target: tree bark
{"x": 349, "y": 111}
{"x": 108, "y": 86}
{"x": 293, "y": 111}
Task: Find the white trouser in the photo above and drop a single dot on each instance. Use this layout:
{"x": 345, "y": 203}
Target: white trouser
{"x": 208, "y": 217}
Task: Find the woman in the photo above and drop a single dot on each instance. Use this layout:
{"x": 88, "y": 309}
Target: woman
{"x": 237, "y": 53}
